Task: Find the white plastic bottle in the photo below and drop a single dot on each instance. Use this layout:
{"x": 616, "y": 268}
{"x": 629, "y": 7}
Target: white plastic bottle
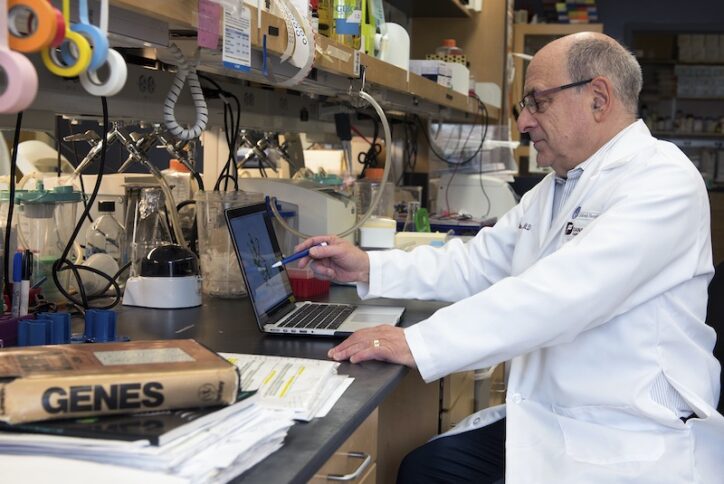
{"x": 179, "y": 179}
{"x": 106, "y": 235}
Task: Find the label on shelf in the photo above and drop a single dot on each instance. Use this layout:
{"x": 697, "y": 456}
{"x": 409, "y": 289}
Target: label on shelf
{"x": 337, "y": 53}
{"x": 355, "y": 66}
{"x": 236, "y": 53}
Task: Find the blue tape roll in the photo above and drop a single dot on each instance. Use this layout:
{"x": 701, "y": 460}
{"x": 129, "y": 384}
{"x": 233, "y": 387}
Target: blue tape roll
{"x": 97, "y": 40}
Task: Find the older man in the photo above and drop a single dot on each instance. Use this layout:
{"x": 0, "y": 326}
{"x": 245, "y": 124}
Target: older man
{"x": 593, "y": 287}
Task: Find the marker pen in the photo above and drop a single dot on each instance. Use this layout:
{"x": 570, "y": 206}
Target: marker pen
{"x": 296, "y": 256}
{"x": 17, "y": 282}
{"x": 25, "y": 283}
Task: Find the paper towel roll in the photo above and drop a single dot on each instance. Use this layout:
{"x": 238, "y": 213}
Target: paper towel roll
{"x": 394, "y": 45}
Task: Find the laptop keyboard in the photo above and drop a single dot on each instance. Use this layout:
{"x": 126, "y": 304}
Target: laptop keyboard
{"x": 319, "y": 316}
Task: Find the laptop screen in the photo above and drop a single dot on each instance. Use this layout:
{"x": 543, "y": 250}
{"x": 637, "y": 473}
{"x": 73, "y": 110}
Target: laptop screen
{"x": 257, "y": 248}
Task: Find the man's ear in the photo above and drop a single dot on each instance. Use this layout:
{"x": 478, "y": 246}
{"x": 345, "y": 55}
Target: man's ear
{"x": 602, "y": 97}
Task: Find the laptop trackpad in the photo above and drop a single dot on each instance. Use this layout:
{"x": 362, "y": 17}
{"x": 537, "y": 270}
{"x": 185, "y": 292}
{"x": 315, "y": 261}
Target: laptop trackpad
{"x": 366, "y": 315}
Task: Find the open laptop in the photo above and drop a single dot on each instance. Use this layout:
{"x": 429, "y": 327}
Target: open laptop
{"x": 270, "y": 291}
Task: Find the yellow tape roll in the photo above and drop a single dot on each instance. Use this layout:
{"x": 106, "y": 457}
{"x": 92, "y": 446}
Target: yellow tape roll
{"x": 82, "y": 47}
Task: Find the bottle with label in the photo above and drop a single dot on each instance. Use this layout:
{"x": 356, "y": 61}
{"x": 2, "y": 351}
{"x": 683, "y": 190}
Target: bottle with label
{"x": 450, "y": 49}
{"x": 106, "y": 235}
{"x": 347, "y": 15}
{"x": 314, "y": 9}
{"x": 326, "y": 19}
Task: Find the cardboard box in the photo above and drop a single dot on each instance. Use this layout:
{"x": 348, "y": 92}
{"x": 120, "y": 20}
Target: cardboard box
{"x": 69, "y": 381}
{"x": 435, "y": 70}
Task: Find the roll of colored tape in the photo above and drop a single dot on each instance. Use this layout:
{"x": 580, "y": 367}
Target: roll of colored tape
{"x": 60, "y": 31}
{"x": 97, "y": 37}
{"x": 21, "y": 82}
{"x": 117, "y": 74}
{"x": 46, "y": 25}
{"x": 97, "y": 40}
{"x": 80, "y": 63}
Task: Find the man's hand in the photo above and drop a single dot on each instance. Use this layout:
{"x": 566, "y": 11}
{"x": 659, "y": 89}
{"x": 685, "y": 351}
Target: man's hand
{"x": 384, "y": 343}
{"x": 339, "y": 260}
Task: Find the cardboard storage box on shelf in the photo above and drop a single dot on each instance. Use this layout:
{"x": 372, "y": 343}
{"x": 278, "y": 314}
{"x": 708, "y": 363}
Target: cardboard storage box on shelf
{"x": 68, "y": 381}
{"x": 435, "y": 70}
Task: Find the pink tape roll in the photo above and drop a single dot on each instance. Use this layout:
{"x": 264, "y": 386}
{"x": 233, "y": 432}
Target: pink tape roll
{"x": 21, "y": 82}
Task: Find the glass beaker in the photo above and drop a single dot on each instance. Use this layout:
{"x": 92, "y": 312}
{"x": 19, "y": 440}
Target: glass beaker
{"x": 145, "y": 228}
{"x": 410, "y": 219}
{"x": 220, "y": 273}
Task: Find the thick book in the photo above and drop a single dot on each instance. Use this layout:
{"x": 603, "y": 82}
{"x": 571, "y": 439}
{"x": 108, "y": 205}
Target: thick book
{"x": 158, "y": 428}
{"x": 81, "y": 380}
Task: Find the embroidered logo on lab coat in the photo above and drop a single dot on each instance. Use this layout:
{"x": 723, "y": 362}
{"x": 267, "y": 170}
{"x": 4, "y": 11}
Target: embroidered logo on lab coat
{"x": 524, "y": 226}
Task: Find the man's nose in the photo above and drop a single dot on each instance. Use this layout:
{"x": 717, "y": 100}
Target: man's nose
{"x": 526, "y": 121}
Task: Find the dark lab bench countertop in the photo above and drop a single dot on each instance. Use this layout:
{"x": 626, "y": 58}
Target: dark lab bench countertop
{"x": 227, "y": 325}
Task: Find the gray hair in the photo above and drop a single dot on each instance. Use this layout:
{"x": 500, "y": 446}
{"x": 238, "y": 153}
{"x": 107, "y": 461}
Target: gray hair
{"x": 592, "y": 57}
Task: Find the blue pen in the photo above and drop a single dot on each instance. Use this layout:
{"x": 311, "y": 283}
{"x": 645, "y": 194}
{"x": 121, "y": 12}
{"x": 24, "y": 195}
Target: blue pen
{"x": 298, "y": 255}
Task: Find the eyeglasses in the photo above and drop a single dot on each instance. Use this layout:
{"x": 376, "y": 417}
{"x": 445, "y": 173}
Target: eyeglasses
{"x": 530, "y": 100}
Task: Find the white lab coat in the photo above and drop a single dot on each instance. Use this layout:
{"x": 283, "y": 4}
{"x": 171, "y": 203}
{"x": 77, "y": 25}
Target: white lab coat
{"x": 590, "y": 310}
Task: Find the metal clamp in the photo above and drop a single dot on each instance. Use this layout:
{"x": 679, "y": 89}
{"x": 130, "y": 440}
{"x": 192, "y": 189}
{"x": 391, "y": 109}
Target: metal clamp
{"x": 366, "y": 461}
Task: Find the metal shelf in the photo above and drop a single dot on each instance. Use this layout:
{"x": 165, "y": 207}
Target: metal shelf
{"x": 693, "y": 140}
{"x": 432, "y": 8}
{"x": 402, "y": 90}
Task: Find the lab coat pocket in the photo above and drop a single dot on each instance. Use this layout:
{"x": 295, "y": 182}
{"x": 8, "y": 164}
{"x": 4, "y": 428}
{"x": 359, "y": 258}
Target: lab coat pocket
{"x": 606, "y": 435}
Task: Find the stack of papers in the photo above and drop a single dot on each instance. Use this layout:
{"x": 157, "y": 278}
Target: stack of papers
{"x": 212, "y": 453}
{"x": 180, "y": 446}
{"x": 308, "y": 388}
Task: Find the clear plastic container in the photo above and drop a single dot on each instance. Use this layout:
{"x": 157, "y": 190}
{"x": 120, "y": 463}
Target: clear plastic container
{"x": 364, "y": 192}
{"x": 106, "y": 235}
{"x": 449, "y": 48}
{"x": 45, "y": 221}
{"x": 221, "y": 276}
{"x": 347, "y": 15}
